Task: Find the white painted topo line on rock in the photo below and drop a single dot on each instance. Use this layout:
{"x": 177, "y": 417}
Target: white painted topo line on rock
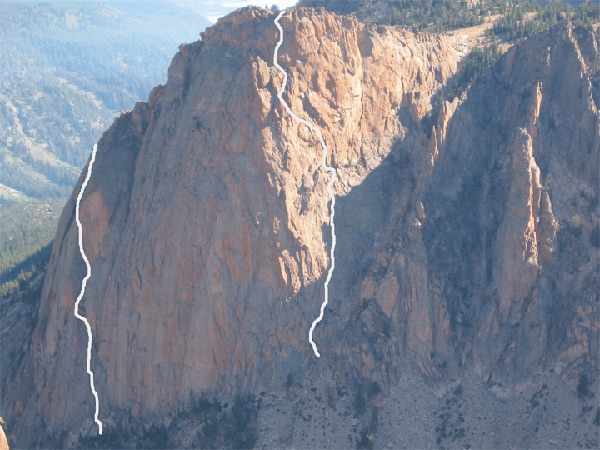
{"x": 329, "y": 169}
{"x": 83, "y": 285}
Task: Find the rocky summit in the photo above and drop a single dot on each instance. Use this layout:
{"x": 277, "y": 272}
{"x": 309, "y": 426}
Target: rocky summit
{"x": 464, "y": 302}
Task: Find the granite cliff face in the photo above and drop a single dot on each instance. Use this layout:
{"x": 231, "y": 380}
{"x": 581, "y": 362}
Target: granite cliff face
{"x": 467, "y": 229}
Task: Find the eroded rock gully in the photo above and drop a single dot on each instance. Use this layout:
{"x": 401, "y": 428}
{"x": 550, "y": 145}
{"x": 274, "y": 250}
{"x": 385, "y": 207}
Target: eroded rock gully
{"x": 467, "y": 230}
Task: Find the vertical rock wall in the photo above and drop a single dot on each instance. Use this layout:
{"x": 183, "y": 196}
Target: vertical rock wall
{"x": 465, "y": 228}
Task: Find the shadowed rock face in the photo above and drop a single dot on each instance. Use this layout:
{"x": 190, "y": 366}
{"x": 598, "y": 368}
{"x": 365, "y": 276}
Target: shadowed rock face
{"x": 489, "y": 213}
{"x": 465, "y": 229}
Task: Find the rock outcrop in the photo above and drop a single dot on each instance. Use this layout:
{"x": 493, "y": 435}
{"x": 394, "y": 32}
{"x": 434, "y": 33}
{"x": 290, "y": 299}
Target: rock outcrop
{"x": 3, "y": 440}
{"x": 467, "y": 230}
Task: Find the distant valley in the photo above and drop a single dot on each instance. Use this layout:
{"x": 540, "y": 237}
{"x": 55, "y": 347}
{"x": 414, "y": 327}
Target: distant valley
{"x": 69, "y": 68}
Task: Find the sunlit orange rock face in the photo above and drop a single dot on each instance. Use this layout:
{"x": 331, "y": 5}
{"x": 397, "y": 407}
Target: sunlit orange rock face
{"x": 464, "y": 227}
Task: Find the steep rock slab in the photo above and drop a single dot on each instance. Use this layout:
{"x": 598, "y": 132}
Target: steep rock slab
{"x": 204, "y": 216}
{"x": 466, "y": 231}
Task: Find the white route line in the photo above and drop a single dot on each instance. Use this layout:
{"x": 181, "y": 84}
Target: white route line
{"x": 83, "y": 285}
{"x": 332, "y": 180}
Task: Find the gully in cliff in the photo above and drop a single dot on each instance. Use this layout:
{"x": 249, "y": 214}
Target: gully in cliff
{"x": 327, "y": 168}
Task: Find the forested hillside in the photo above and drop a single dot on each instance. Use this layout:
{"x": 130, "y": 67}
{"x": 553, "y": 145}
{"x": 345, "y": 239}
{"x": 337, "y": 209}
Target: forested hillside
{"x": 68, "y": 68}
{"x": 444, "y": 15}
